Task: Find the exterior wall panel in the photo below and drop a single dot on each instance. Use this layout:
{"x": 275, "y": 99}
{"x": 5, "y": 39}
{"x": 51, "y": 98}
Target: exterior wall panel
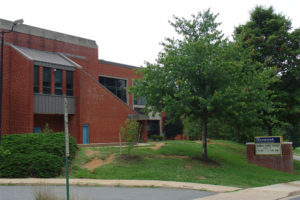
{"x": 53, "y": 104}
{"x": 18, "y": 93}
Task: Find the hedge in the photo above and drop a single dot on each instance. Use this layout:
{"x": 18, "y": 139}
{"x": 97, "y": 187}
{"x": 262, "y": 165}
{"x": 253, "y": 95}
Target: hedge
{"x": 34, "y": 155}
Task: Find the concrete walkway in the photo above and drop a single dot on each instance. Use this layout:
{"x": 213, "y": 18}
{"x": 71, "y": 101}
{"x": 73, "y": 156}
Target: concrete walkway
{"x": 271, "y": 192}
{"x": 128, "y": 183}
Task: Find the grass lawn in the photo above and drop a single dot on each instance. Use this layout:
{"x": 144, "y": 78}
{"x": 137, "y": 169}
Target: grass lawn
{"x": 296, "y": 152}
{"x": 178, "y": 161}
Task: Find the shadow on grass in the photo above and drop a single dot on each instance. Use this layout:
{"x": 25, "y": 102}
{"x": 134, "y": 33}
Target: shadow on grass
{"x": 130, "y": 158}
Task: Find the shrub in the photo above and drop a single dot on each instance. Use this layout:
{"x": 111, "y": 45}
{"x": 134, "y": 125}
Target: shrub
{"x": 15, "y": 165}
{"x": 46, "y": 165}
{"x": 173, "y": 127}
{"x": 130, "y": 133}
{"x": 156, "y": 137}
{"x": 37, "y": 155}
{"x": 48, "y": 193}
{"x": 192, "y": 129}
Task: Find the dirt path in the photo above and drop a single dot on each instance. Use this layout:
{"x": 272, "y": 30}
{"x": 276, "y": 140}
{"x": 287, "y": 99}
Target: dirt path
{"x": 90, "y": 153}
{"x": 96, "y": 162}
{"x": 157, "y": 146}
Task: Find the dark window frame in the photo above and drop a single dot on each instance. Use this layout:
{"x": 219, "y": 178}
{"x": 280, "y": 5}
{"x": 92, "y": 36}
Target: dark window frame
{"x": 46, "y": 83}
{"x": 69, "y": 83}
{"x": 36, "y": 79}
{"x": 116, "y": 86}
{"x": 58, "y": 82}
{"x": 141, "y": 101}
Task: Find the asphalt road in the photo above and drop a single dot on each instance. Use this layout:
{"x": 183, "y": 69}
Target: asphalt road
{"x": 101, "y": 193}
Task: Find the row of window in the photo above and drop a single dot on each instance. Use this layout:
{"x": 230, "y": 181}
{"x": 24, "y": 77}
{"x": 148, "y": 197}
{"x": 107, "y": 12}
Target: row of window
{"x": 117, "y": 87}
{"x": 58, "y": 85}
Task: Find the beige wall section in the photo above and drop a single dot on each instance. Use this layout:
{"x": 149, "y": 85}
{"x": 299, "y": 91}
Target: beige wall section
{"x": 157, "y": 116}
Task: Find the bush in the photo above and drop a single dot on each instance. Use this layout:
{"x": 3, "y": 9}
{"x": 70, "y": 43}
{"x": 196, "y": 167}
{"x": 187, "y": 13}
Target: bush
{"x": 156, "y": 137}
{"x": 33, "y": 155}
{"x": 48, "y": 193}
{"x": 130, "y": 133}
{"x": 173, "y": 127}
{"x": 46, "y": 165}
{"x": 192, "y": 129}
{"x": 293, "y": 134}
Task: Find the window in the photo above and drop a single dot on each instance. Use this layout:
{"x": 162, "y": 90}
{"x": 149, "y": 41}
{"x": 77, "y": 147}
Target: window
{"x": 58, "y": 81}
{"x": 153, "y": 127}
{"x": 36, "y": 79}
{"x": 116, "y": 86}
{"x": 140, "y": 101}
{"x": 46, "y": 80}
{"x": 69, "y": 83}
{"x": 139, "y": 110}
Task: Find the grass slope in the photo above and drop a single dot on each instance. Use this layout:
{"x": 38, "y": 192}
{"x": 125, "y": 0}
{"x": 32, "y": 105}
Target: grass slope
{"x": 297, "y": 151}
{"x": 176, "y": 161}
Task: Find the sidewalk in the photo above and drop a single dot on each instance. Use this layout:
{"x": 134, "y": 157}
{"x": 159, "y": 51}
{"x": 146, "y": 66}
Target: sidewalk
{"x": 125, "y": 183}
{"x": 271, "y": 192}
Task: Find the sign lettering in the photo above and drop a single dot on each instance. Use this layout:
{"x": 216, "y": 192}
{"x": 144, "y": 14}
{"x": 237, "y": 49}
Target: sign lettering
{"x": 268, "y": 145}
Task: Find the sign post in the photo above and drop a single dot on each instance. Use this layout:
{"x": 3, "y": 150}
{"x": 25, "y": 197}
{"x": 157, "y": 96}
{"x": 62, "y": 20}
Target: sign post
{"x": 268, "y": 145}
{"x": 67, "y": 145}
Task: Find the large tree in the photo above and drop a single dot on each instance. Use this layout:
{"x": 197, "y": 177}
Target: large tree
{"x": 193, "y": 73}
{"x": 272, "y": 42}
{"x": 247, "y": 94}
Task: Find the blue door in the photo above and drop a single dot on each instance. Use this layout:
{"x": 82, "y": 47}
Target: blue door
{"x": 85, "y": 132}
{"x": 37, "y": 129}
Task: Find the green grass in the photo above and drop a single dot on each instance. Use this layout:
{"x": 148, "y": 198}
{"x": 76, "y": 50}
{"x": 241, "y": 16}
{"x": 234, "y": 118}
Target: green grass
{"x": 176, "y": 161}
{"x": 296, "y": 152}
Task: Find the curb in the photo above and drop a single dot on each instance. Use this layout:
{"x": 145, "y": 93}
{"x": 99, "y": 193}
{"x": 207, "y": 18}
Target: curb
{"x": 125, "y": 183}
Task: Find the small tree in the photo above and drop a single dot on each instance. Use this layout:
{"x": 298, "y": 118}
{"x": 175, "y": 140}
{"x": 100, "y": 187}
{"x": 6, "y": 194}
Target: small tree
{"x": 129, "y": 133}
{"x": 47, "y": 129}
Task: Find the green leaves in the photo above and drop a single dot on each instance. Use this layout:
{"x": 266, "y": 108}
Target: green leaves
{"x": 243, "y": 83}
{"x": 274, "y": 46}
{"x": 130, "y": 133}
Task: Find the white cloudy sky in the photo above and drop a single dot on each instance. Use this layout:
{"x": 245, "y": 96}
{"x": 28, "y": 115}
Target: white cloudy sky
{"x": 129, "y": 31}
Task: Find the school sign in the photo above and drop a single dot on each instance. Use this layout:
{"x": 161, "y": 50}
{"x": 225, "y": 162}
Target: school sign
{"x": 268, "y": 145}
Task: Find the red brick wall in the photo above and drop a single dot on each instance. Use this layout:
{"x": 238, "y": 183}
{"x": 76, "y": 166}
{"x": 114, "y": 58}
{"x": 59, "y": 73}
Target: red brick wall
{"x": 101, "y": 110}
{"x": 144, "y": 133}
{"x": 20, "y": 94}
{"x": 74, "y": 120}
{"x": 6, "y": 91}
{"x": 44, "y": 44}
{"x": 95, "y": 105}
{"x": 55, "y": 122}
{"x": 281, "y": 163}
{"x": 97, "y": 69}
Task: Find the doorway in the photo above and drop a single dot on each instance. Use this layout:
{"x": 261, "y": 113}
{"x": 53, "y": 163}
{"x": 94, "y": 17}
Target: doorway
{"x": 85, "y": 134}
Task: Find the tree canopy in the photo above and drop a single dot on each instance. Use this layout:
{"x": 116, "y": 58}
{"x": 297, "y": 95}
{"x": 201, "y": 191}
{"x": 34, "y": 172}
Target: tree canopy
{"x": 202, "y": 75}
{"x": 273, "y": 43}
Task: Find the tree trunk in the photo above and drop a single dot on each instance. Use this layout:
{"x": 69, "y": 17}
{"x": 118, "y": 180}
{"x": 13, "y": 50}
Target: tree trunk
{"x": 238, "y": 134}
{"x": 204, "y": 135}
{"x": 270, "y": 130}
